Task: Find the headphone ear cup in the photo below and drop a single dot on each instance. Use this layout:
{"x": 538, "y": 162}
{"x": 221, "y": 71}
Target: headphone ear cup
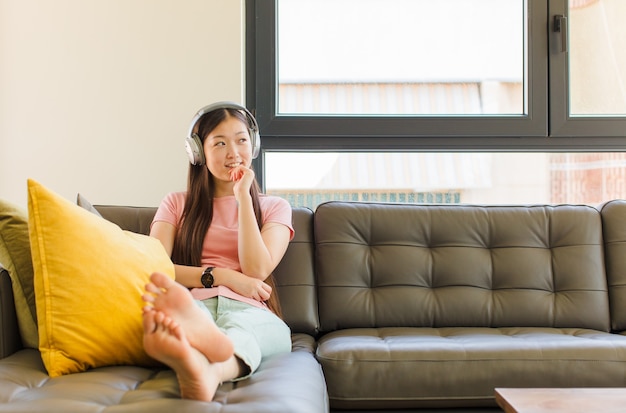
{"x": 193, "y": 145}
{"x": 256, "y": 143}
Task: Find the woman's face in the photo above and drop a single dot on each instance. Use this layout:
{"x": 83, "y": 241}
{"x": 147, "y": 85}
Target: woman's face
{"x": 227, "y": 146}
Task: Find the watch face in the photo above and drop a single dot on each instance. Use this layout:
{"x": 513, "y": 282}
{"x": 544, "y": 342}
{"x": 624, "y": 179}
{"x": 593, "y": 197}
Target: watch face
{"x": 207, "y": 278}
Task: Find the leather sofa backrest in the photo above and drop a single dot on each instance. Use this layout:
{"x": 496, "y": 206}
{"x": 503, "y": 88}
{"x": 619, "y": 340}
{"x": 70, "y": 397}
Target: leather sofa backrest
{"x": 135, "y": 219}
{"x": 294, "y": 276}
{"x": 396, "y": 265}
{"x": 614, "y": 231}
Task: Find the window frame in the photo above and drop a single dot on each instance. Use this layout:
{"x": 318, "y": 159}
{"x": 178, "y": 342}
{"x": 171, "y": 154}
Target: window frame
{"x": 546, "y": 127}
{"x": 561, "y": 123}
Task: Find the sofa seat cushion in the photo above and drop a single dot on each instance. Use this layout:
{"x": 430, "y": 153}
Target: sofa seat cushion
{"x": 406, "y": 367}
{"x": 291, "y": 382}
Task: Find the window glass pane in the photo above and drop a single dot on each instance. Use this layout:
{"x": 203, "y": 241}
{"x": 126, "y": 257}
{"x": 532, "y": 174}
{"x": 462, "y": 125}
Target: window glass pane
{"x": 597, "y": 57}
{"x": 308, "y": 179}
{"x": 424, "y": 57}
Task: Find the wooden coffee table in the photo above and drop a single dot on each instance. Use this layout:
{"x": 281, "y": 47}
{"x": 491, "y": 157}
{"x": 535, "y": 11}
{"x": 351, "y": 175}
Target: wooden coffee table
{"x": 573, "y": 400}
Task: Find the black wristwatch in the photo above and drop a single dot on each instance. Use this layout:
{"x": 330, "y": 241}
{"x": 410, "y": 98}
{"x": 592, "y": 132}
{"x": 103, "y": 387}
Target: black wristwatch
{"x": 207, "y": 277}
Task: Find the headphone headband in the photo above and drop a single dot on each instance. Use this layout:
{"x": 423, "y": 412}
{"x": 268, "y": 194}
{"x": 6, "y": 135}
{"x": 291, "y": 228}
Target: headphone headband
{"x": 193, "y": 143}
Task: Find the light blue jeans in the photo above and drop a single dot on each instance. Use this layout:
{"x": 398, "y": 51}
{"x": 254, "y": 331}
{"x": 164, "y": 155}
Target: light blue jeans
{"x": 256, "y": 333}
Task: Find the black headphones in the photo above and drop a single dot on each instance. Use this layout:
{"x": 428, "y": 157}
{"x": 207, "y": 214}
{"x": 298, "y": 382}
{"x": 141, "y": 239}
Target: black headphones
{"x": 193, "y": 143}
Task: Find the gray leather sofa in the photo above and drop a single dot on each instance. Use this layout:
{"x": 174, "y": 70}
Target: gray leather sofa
{"x": 396, "y": 307}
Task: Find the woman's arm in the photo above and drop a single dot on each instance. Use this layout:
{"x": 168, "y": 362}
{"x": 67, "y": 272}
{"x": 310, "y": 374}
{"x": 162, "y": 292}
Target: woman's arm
{"x": 190, "y": 276}
{"x": 185, "y": 275}
{"x": 260, "y": 251}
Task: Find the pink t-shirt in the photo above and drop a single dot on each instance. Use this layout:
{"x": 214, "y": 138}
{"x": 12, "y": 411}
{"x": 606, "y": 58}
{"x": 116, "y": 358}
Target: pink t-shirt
{"x": 220, "y": 244}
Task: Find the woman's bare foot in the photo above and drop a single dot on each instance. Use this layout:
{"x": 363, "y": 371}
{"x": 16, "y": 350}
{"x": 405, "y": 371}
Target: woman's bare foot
{"x": 165, "y": 341}
{"x": 176, "y": 302}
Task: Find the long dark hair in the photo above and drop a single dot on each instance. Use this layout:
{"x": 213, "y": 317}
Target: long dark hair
{"x": 198, "y": 211}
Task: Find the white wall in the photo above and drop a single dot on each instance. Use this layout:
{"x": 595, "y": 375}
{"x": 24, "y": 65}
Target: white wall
{"x": 96, "y": 95}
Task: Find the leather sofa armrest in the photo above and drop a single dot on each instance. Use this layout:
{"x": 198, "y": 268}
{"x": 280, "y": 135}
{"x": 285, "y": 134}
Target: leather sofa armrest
{"x": 303, "y": 342}
{"x": 10, "y": 340}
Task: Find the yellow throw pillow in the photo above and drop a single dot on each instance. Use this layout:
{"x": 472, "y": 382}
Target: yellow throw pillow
{"x": 89, "y": 277}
